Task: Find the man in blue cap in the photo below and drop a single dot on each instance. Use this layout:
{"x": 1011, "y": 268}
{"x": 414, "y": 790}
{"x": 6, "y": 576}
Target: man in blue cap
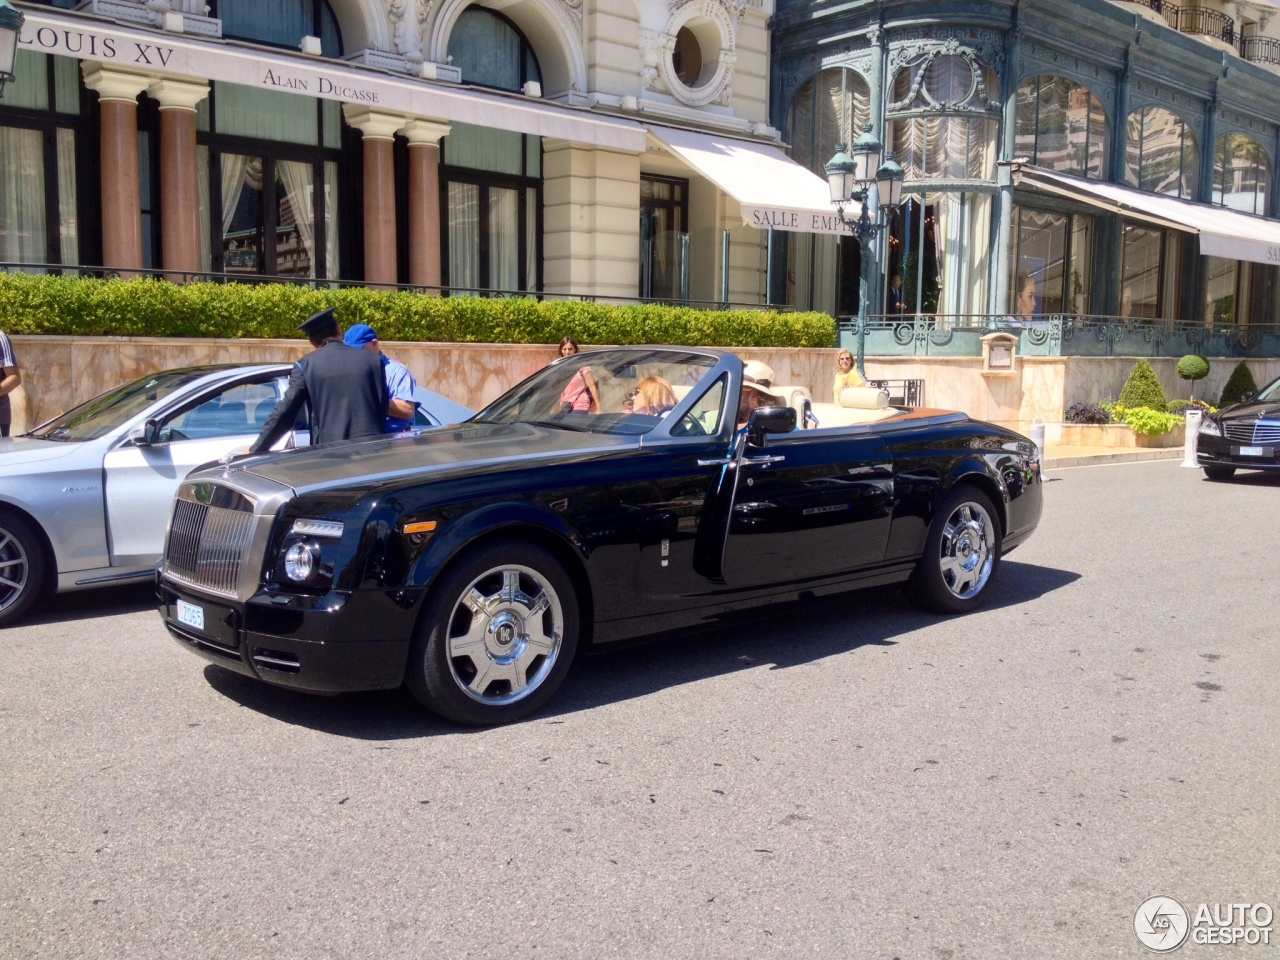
{"x": 400, "y": 383}
{"x": 344, "y": 388}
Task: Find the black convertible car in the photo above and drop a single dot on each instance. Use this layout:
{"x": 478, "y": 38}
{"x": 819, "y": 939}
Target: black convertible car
{"x": 473, "y": 563}
{"x": 1242, "y": 436}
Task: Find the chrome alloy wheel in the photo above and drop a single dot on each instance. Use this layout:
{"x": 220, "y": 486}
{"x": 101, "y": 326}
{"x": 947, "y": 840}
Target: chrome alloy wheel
{"x": 967, "y": 550}
{"x": 15, "y": 569}
{"x": 505, "y": 634}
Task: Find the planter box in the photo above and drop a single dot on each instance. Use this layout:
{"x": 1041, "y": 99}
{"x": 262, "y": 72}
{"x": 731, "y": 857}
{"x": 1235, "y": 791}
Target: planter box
{"x": 1117, "y": 435}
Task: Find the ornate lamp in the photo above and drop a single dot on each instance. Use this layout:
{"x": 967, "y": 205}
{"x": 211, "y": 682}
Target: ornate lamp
{"x": 10, "y": 29}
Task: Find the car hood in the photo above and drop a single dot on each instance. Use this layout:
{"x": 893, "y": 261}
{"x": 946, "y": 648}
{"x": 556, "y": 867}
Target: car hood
{"x": 438, "y": 453}
{"x": 1251, "y": 411}
{"x": 21, "y": 452}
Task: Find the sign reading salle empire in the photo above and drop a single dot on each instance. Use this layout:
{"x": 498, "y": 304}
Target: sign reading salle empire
{"x": 794, "y": 221}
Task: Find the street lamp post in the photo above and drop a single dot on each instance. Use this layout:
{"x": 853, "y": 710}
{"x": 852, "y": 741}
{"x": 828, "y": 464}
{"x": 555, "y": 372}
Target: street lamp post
{"x": 850, "y": 176}
{"x": 10, "y": 28}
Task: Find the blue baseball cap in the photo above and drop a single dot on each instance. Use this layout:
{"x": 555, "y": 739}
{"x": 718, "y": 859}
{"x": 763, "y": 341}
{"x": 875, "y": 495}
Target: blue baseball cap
{"x": 359, "y": 334}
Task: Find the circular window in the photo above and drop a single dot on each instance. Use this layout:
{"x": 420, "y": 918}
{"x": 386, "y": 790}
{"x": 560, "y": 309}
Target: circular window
{"x": 686, "y": 59}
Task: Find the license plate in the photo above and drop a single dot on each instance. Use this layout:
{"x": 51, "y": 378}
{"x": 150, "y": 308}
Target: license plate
{"x": 191, "y": 614}
{"x": 1254, "y": 452}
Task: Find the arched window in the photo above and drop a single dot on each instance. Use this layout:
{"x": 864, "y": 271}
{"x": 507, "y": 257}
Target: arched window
{"x": 491, "y": 178}
{"x": 1241, "y": 174}
{"x": 828, "y": 109}
{"x": 1062, "y": 126}
{"x": 1163, "y": 156}
{"x": 279, "y": 23}
{"x": 944, "y": 117}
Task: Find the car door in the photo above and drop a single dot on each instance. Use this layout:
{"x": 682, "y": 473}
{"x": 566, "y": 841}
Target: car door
{"x": 810, "y": 504}
{"x": 141, "y": 479}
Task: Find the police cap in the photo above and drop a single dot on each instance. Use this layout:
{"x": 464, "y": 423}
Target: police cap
{"x": 320, "y": 325}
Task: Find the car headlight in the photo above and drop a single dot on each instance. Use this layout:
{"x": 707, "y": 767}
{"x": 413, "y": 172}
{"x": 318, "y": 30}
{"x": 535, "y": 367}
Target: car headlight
{"x": 301, "y": 560}
{"x": 1210, "y": 428}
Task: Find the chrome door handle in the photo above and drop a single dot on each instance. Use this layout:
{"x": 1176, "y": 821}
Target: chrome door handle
{"x": 755, "y": 460}
{"x": 722, "y": 462}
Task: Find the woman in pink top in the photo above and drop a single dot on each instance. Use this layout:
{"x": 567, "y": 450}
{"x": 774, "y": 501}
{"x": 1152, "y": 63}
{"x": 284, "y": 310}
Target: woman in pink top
{"x": 581, "y": 395}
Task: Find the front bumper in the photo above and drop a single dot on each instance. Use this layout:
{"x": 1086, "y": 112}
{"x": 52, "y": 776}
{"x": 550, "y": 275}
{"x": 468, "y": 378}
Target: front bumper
{"x": 1214, "y": 451}
{"x": 336, "y": 643}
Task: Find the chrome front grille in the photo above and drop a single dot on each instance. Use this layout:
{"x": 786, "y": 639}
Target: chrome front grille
{"x": 208, "y": 538}
{"x": 1253, "y": 431}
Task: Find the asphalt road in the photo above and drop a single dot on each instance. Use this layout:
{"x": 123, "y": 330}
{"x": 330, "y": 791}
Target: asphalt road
{"x": 853, "y": 780}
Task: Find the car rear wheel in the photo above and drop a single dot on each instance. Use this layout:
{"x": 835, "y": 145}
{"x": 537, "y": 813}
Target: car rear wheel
{"x": 22, "y": 567}
{"x": 497, "y": 637}
{"x": 961, "y": 554}
{"x": 1219, "y": 473}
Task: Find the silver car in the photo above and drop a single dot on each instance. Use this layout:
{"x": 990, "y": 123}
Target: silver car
{"x": 84, "y": 498}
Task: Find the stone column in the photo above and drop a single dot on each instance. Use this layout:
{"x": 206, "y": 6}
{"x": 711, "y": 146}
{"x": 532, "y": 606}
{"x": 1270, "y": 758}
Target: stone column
{"x": 378, "y": 130}
{"x": 179, "y": 178}
{"x": 121, "y": 191}
{"x": 424, "y": 200}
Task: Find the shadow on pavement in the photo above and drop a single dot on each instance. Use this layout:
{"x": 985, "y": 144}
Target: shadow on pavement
{"x": 91, "y": 604}
{"x": 782, "y": 635}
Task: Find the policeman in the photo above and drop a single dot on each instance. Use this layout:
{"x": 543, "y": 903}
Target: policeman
{"x": 345, "y": 387}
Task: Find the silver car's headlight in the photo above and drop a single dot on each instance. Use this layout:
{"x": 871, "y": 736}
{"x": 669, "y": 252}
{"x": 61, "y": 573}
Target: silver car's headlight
{"x": 1210, "y": 428}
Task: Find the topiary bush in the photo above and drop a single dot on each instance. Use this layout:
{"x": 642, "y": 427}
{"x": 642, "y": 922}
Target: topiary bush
{"x": 1193, "y": 367}
{"x": 157, "y": 308}
{"x": 1239, "y": 384}
{"x": 1142, "y": 389}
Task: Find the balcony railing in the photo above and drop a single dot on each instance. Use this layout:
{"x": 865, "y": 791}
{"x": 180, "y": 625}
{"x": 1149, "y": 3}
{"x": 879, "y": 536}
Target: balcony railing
{"x": 1206, "y": 23}
{"x": 1260, "y": 50}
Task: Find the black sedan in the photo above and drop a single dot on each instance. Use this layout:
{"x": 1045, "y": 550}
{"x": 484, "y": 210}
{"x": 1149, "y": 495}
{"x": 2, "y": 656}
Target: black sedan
{"x": 1242, "y": 436}
{"x": 474, "y": 563}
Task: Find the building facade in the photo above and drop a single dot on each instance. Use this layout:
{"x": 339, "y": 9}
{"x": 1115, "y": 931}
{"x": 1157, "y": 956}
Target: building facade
{"x": 609, "y": 149}
{"x": 1100, "y": 173}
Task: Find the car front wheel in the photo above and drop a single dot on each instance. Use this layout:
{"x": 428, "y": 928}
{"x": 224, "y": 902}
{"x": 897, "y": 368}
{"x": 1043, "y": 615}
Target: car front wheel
{"x": 1219, "y": 473}
{"x": 961, "y": 554}
{"x": 22, "y": 567}
{"x": 497, "y": 637}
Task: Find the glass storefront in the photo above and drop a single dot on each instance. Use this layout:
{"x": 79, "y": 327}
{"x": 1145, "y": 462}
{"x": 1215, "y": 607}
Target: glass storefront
{"x": 1054, "y": 252}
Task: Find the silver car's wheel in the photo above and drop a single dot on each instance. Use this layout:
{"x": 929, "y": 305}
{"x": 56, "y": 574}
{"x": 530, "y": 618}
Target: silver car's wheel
{"x": 22, "y": 567}
{"x": 498, "y": 635}
{"x": 961, "y": 553}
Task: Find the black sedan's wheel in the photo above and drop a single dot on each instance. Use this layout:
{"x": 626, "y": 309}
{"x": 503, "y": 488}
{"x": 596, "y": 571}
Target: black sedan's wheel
{"x": 1219, "y": 473}
{"x": 22, "y": 567}
{"x": 961, "y": 553}
{"x": 497, "y": 637}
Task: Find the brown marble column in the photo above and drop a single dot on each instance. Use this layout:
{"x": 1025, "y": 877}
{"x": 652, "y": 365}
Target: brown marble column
{"x": 121, "y": 191}
{"x": 179, "y": 177}
{"x": 424, "y": 200}
{"x": 378, "y": 130}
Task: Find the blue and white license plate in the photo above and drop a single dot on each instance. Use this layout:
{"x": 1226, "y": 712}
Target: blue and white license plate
{"x": 191, "y": 614}
{"x": 1253, "y": 451}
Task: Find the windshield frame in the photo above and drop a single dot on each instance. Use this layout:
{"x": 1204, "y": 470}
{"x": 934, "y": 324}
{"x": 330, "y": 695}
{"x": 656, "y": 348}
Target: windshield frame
{"x": 1268, "y": 394}
{"x": 549, "y": 381}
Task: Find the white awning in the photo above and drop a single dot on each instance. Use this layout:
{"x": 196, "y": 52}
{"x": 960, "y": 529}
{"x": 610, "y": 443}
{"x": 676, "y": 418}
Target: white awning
{"x": 775, "y": 192}
{"x": 1223, "y": 232}
{"x": 134, "y": 48}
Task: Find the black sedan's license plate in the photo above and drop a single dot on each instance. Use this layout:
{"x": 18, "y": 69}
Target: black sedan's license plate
{"x": 1268, "y": 452}
{"x": 205, "y": 619}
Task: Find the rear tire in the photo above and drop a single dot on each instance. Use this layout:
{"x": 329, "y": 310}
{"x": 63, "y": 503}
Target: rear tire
{"x": 1219, "y": 473}
{"x": 961, "y": 553}
{"x": 497, "y": 636}
{"x": 22, "y": 567}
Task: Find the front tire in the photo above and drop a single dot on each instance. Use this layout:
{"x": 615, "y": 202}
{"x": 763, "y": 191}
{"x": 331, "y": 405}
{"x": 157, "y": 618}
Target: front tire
{"x": 961, "y": 553}
{"x": 1219, "y": 473}
{"x": 497, "y": 636}
{"x": 22, "y": 567}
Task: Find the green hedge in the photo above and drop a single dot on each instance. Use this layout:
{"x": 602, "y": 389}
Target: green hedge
{"x": 156, "y": 308}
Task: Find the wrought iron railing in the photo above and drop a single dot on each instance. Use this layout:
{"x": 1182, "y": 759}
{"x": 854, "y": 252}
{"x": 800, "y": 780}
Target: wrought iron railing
{"x": 1060, "y": 335}
{"x": 1260, "y": 49}
{"x": 1207, "y": 23}
{"x": 187, "y": 276}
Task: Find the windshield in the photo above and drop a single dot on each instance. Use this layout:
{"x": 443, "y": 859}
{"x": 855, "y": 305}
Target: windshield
{"x": 102, "y": 414}
{"x": 624, "y": 392}
{"x": 1270, "y": 393}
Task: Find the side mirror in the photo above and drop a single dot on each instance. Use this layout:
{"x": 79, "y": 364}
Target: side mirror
{"x": 1248, "y": 397}
{"x": 767, "y": 420}
{"x": 146, "y": 435}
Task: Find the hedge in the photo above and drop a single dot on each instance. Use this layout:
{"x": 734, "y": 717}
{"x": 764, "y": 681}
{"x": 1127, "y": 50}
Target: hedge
{"x": 157, "y": 308}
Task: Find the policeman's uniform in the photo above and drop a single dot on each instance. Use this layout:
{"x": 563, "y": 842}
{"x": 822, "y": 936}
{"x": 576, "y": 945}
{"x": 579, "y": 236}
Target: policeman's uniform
{"x": 345, "y": 387}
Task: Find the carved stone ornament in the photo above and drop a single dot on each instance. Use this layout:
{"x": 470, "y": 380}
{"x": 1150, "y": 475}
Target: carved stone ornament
{"x": 977, "y": 99}
{"x": 406, "y": 31}
{"x": 725, "y": 15}
{"x": 575, "y": 11}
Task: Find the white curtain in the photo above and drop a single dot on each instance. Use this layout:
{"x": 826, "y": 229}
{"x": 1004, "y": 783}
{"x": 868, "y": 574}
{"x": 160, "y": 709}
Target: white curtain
{"x": 504, "y": 239}
{"x": 234, "y": 168}
{"x": 299, "y": 190}
{"x": 464, "y": 235}
{"x": 331, "y": 219}
{"x": 979, "y": 251}
{"x": 22, "y": 214}
{"x": 951, "y": 215}
{"x": 67, "y": 194}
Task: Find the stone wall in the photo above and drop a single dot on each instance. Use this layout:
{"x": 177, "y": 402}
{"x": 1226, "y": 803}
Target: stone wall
{"x": 59, "y": 372}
